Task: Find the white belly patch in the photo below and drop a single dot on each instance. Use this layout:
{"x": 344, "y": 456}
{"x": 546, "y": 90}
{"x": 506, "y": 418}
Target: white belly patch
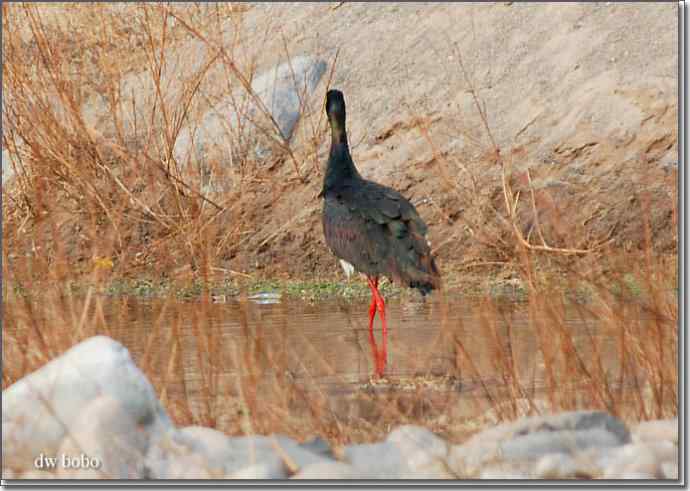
{"x": 347, "y": 267}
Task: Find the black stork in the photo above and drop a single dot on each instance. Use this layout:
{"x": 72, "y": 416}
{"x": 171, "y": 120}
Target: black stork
{"x": 372, "y": 228}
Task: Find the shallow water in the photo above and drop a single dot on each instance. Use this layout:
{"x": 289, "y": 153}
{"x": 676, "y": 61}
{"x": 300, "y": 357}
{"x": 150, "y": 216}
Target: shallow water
{"x": 325, "y": 347}
{"x": 277, "y": 359}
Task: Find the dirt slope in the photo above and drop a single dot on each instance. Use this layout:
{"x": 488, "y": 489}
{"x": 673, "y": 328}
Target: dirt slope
{"x": 585, "y": 92}
{"x": 583, "y": 96}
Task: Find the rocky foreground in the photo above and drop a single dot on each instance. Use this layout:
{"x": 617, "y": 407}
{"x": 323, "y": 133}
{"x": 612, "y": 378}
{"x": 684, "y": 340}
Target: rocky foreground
{"x": 92, "y": 414}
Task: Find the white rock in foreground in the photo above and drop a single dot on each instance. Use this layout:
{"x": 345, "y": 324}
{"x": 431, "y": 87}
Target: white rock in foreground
{"x": 330, "y": 470}
{"x": 41, "y": 408}
{"x": 651, "y": 431}
{"x": 409, "y": 452}
{"x": 104, "y": 443}
{"x": 198, "y": 453}
{"x": 93, "y": 403}
{"x": 425, "y": 453}
{"x": 645, "y": 458}
{"x": 524, "y": 442}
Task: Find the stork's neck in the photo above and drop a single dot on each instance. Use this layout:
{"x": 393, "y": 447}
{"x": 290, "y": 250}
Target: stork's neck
{"x": 340, "y": 166}
{"x": 338, "y": 130}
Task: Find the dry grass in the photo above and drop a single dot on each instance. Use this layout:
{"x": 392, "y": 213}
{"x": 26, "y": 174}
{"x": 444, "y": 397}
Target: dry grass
{"x": 119, "y": 192}
{"x": 88, "y": 207}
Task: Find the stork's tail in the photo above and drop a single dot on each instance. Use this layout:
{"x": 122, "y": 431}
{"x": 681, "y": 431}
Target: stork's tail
{"x": 428, "y": 277}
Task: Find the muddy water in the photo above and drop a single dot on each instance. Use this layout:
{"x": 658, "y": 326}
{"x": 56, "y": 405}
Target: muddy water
{"x": 197, "y": 349}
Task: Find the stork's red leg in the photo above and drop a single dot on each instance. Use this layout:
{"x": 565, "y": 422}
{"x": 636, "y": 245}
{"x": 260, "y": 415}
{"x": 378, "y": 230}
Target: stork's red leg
{"x": 381, "y": 307}
{"x": 378, "y": 304}
{"x": 372, "y": 310}
{"x": 372, "y": 340}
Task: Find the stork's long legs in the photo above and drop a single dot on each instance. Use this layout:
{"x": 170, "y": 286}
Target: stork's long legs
{"x": 372, "y": 307}
{"x": 377, "y": 303}
{"x": 372, "y": 339}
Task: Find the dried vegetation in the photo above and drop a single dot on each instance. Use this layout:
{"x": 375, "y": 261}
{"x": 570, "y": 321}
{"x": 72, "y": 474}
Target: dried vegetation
{"x": 88, "y": 207}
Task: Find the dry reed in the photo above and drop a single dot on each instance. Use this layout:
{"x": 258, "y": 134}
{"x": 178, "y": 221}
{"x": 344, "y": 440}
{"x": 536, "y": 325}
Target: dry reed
{"x": 85, "y": 206}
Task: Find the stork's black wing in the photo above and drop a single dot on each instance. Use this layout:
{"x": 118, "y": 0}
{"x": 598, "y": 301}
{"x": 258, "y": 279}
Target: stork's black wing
{"x": 379, "y": 232}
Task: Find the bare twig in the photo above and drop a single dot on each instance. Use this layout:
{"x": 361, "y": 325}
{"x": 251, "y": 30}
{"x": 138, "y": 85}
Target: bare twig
{"x": 284, "y": 144}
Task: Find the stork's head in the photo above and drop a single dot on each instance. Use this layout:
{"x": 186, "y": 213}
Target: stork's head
{"x": 335, "y": 107}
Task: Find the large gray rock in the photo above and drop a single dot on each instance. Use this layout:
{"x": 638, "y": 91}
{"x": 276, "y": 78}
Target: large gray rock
{"x": 262, "y": 471}
{"x": 556, "y": 466}
{"x": 636, "y": 459}
{"x": 318, "y": 446}
{"x": 38, "y": 410}
{"x": 565, "y": 421}
{"x": 425, "y": 453}
{"x": 197, "y": 451}
{"x": 651, "y": 431}
{"x": 585, "y": 464}
{"x": 281, "y": 90}
{"x": 503, "y": 472}
{"x": 529, "y": 439}
{"x": 409, "y": 452}
{"x": 330, "y": 470}
{"x": 190, "y": 453}
{"x": 105, "y": 442}
{"x": 377, "y": 460}
{"x": 534, "y": 445}
{"x": 213, "y": 445}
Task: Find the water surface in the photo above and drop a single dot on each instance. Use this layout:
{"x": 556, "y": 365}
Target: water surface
{"x": 199, "y": 348}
